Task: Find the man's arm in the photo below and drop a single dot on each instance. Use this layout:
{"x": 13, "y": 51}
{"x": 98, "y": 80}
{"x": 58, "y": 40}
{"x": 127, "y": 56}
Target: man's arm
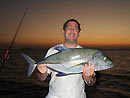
{"x": 88, "y": 74}
{"x": 42, "y": 72}
{"x": 90, "y": 80}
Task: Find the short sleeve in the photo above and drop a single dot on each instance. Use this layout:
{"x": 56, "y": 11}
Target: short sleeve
{"x": 50, "y": 52}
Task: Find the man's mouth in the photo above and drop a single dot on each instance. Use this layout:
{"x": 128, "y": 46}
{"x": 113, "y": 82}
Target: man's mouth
{"x": 71, "y": 35}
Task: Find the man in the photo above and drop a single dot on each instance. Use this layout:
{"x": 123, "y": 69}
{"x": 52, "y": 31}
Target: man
{"x": 69, "y": 86}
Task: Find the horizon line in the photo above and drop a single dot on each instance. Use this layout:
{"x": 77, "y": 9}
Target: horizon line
{"x": 85, "y": 46}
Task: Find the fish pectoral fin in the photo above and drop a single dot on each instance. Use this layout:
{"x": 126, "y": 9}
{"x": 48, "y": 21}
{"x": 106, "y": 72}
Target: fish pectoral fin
{"x": 61, "y": 74}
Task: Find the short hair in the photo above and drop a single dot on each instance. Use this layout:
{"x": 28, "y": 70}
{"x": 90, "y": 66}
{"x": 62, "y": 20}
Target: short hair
{"x": 65, "y": 24}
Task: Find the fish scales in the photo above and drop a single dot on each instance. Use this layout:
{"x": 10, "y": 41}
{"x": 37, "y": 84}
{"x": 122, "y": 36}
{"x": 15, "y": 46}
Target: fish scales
{"x": 65, "y": 56}
{"x": 66, "y": 59}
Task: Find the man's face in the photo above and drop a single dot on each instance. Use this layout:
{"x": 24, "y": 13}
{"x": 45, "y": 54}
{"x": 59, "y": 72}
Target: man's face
{"x": 71, "y": 32}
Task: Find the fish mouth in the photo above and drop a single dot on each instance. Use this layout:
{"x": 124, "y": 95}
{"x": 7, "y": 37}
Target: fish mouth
{"x": 106, "y": 66}
{"x": 110, "y": 64}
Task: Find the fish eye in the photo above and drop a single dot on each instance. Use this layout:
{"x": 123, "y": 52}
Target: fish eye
{"x": 104, "y": 58}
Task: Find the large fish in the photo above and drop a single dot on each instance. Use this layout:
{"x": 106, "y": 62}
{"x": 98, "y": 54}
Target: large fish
{"x": 72, "y": 60}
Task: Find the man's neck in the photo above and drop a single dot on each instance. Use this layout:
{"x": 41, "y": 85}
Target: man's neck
{"x": 70, "y": 45}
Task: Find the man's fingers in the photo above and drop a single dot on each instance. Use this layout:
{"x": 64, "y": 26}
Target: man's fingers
{"x": 91, "y": 68}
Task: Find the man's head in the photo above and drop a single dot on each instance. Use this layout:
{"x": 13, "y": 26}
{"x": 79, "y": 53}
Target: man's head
{"x": 71, "y": 29}
{"x": 71, "y": 20}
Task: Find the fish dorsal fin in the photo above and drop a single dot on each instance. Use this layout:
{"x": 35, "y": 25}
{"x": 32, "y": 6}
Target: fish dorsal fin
{"x": 60, "y": 48}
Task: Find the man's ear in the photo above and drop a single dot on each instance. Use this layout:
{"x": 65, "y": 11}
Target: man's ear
{"x": 63, "y": 31}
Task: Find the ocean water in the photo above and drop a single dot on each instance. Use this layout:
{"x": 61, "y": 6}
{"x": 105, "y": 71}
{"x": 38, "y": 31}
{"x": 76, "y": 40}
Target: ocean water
{"x": 14, "y": 83}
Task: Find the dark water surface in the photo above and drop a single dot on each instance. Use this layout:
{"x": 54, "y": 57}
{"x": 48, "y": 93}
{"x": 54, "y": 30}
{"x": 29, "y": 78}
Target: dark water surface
{"x": 112, "y": 83}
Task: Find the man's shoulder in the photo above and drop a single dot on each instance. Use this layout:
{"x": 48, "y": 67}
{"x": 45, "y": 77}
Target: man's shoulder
{"x": 78, "y": 46}
{"x": 52, "y": 50}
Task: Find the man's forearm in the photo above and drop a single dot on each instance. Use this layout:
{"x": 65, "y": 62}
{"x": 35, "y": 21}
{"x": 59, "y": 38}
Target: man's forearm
{"x": 41, "y": 76}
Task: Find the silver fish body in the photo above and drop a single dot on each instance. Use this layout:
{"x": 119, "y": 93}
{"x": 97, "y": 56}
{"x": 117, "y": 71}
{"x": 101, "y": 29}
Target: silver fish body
{"x": 72, "y": 60}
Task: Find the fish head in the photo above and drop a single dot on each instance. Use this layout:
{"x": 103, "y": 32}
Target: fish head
{"x": 101, "y": 61}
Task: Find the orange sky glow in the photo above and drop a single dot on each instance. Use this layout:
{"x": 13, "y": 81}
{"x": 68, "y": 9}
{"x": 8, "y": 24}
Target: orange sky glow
{"x": 104, "y": 23}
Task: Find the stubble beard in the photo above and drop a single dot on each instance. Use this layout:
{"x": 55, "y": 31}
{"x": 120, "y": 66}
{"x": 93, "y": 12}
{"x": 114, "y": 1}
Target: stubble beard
{"x": 71, "y": 42}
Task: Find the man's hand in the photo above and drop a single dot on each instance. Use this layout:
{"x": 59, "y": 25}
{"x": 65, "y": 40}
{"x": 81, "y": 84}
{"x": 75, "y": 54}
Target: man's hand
{"x": 42, "y": 68}
{"x": 42, "y": 74}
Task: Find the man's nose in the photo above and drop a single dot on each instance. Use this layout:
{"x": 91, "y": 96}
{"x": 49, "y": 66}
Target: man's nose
{"x": 72, "y": 29}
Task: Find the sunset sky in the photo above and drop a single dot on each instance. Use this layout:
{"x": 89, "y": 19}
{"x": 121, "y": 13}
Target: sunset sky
{"x": 103, "y": 22}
